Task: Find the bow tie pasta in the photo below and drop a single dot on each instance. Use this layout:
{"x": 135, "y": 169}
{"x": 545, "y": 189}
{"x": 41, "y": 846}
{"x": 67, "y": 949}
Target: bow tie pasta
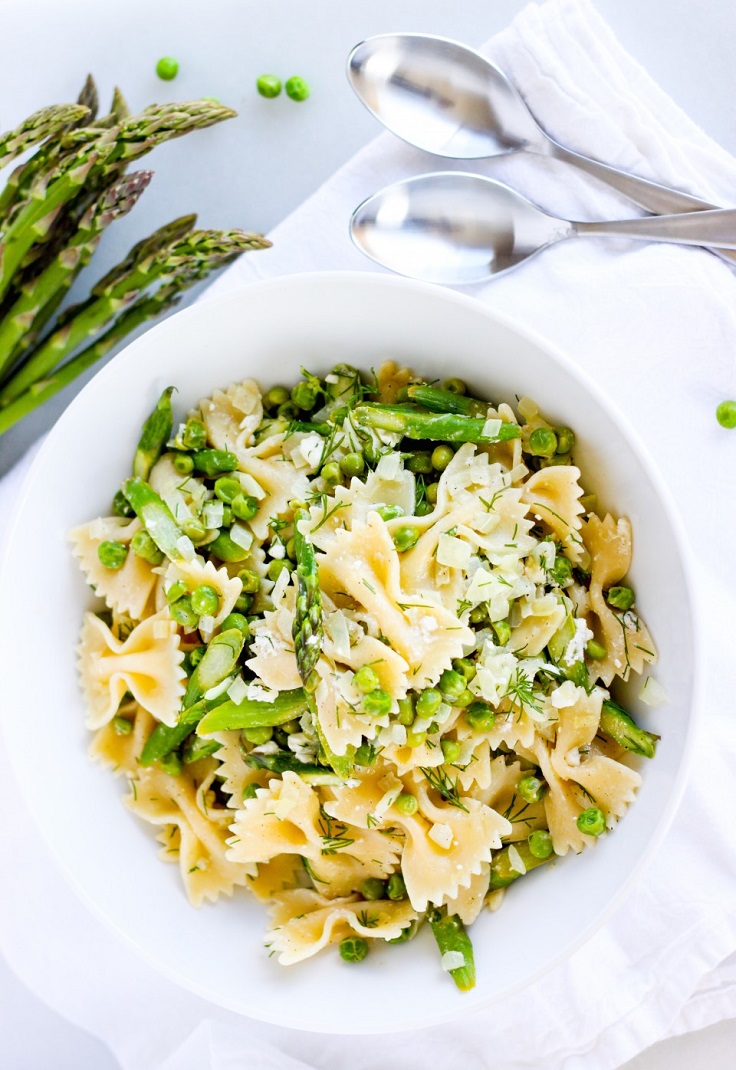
{"x": 353, "y": 652}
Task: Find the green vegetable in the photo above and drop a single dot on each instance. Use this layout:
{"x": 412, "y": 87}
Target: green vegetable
{"x": 373, "y": 888}
{"x": 428, "y": 702}
{"x": 480, "y": 716}
{"x": 283, "y": 762}
{"x": 258, "y": 736}
{"x": 466, "y": 667}
{"x": 432, "y": 491}
{"x": 561, "y": 571}
{"x": 594, "y": 650}
{"x": 121, "y": 506}
{"x": 183, "y": 463}
{"x": 238, "y": 621}
{"x": 450, "y": 934}
{"x": 366, "y": 754}
{"x": 305, "y": 394}
{"x": 171, "y": 764}
{"x": 455, "y": 386}
{"x": 112, "y": 554}
{"x": 441, "y": 457}
{"x": 450, "y": 750}
{"x": 502, "y": 870}
{"x": 219, "y": 661}
{"x": 565, "y": 439}
{"x": 352, "y": 464}
{"x": 619, "y": 726}
{"x": 176, "y": 591}
{"x": 155, "y": 516}
{"x": 377, "y": 702}
{"x": 405, "y": 537}
{"x": 447, "y": 401}
{"x": 42, "y": 125}
{"x": 406, "y": 804}
{"x": 212, "y": 462}
{"x": 726, "y": 414}
{"x": 167, "y": 68}
{"x": 194, "y": 749}
{"x": 395, "y": 887}
{"x": 542, "y": 442}
{"x": 307, "y": 629}
{"x": 269, "y": 85}
{"x": 250, "y": 580}
{"x": 331, "y": 472}
{"x": 276, "y": 567}
{"x": 415, "y": 424}
{"x": 227, "y": 550}
{"x": 562, "y": 638}
{"x": 502, "y": 631}
{"x": 296, "y": 88}
{"x": 390, "y": 512}
{"x": 253, "y": 713}
{"x": 451, "y": 685}
{"x": 353, "y": 948}
{"x": 143, "y": 546}
{"x": 156, "y": 433}
{"x": 122, "y": 726}
{"x": 244, "y": 506}
{"x": 277, "y": 395}
{"x": 366, "y": 679}
{"x": 620, "y": 597}
{"x": 540, "y": 844}
{"x": 205, "y": 601}
{"x": 592, "y": 821}
{"x": 226, "y": 489}
{"x": 531, "y": 789}
{"x": 194, "y": 528}
{"x": 420, "y": 463}
{"x": 405, "y": 715}
{"x": 184, "y": 614}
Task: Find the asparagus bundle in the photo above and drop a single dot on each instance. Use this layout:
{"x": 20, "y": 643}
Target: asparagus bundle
{"x": 54, "y": 209}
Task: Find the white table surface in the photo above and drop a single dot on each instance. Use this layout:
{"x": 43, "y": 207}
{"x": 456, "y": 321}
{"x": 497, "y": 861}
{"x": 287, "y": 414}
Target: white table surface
{"x": 257, "y": 169}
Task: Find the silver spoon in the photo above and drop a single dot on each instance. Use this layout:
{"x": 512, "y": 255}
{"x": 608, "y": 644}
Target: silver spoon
{"x": 448, "y": 99}
{"x": 456, "y": 228}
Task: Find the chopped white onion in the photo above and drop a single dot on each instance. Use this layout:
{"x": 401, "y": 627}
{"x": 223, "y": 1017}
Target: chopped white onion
{"x": 250, "y": 486}
{"x": 336, "y": 626}
{"x": 441, "y": 834}
{"x": 491, "y": 428}
{"x": 452, "y": 960}
{"x": 218, "y": 689}
{"x": 516, "y": 861}
{"x": 206, "y": 626}
{"x": 241, "y": 536}
{"x": 390, "y": 467}
{"x": 238, "y": 690}
{"x": 185, "y": 546}
{"x": 453, "y": 551}
{"x": 212, "y": 514}
{"x": 653, "y": 693}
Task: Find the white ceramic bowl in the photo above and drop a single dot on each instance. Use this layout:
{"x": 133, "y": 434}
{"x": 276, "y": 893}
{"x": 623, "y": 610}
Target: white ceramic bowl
{"x": 268, "y": 331}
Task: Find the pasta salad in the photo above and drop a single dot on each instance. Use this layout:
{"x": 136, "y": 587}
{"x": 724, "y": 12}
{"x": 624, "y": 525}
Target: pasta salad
{"x": 356, "y": 653}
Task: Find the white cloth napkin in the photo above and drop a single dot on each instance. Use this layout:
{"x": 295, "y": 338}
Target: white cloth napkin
{"x": 656, "y": 326}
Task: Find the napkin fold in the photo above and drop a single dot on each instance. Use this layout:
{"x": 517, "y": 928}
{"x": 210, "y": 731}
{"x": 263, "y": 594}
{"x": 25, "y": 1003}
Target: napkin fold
{"x": 656, "y": 327}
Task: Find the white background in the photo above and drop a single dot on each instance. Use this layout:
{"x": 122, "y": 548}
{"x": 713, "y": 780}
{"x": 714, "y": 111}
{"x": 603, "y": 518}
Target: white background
{"x": 253, "y": 171}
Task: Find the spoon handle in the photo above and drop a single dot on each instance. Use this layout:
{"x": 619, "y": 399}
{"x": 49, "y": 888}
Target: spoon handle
{"x": 711, "y": 228}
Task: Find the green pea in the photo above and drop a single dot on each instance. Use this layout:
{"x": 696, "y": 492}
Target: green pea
{"x": 366, "y": 679}
{"x": 432, "y": 490}
{"x": 479, "y": 614}
{"x": 620, "y": 597}
{"x": 726, "y": 414}
{"x": 184, "y": 614}
{"x": 277, "y": 395}
{"x": 296, "y": 88}
{"x": 415, "y": 739}
{"x": 112, "y": 554}
{"x": 276, "y": 567}
{"x": 305, "y": 395}
{"x": 542, "y": 442}
{"x": 194, "y": 528}
{"x": 455, "y": 386}
{"x": 353, "y": 949}
{"x": 595, "y": 651}
{"x": 561, "y": 571}
{"x": 592, "y": 821}
{"x": 194, "y": 436}
{"x": 480, "y": 716}
{"x": 183, "y": 464}
{"x": 250, "y": 580}
{"x": 258, "y": 736}
{"x": 465, "y": 666}
{"x": 176, "y": 591}
{"x": 236, "y": 620}
{"x": 390, "y": 512}
{"x": 396, "y": 887}
{"x": 352, "y": 464}
{"x": 406, "y": 804}
{"x": 171, "y": 764}
{"x": 377, "y": 702}
{"x": 249, "y": 791}
{"x": 423, "y": 508}
{"x": 405, "y": 537}
{"x": 213, "y": 462}
{"x": 227, "y": 517}
{"x": 167, "y": 68}
{"x": 565, "y": 439}
{"x": 122, "y": 726}
{"x": 121, "y": 506}
{"x": 420, "y": 463}
{"x": 451, "y": 684}
{"x": 441, "y": 457}
{"x": 227, "y": 488}
{"x": 531, "y": 789}
{"x": 244, "y": 603}
{"x": 366, "y": 754}
{"x": 331, "y": 472}
{"x": 244, "y": 506}
{"x": 450, "y": 750}
{"x": 290, "y": 727}
{"x": 227, "y": 550}
{"x": 428, "y": 702}
{"x": 268, "y": 85}
{"x": 465, "y": 698}
{"x": 502, "y": 631}
{"x": 205, "y": 601}
{"x": 540, "y": 843}
{"x": 405, "y": 715}
{"x": 288, "y": 411}
{"x": 373, "y": 888}
{"x": 193, "y": 658}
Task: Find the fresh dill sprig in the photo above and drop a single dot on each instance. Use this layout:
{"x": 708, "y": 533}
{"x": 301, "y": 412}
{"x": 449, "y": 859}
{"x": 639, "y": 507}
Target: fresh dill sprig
{"x": 520, "y": 693}
{"x": 442, "y": 782}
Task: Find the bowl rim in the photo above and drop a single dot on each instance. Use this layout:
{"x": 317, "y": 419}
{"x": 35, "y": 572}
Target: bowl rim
{"x": 208, "y": 306}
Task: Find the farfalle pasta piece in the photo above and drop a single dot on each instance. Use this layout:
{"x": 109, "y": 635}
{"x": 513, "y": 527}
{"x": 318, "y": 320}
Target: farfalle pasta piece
{"x": 363, "y": 564}
{"x": 468, "y": 902}
{"x": 531, "y": 636}
{"x": 303, "y": 922}
{"x": 389, "y": 484}
{"x": 278, "y": 480}
{"x": 626, "y": 640}
{"x": 147, "y": 663}
{"x": 553, "y": 496}
{"x": 231, "y": 416}
{"x": 199, "y": 845}
{"x": 127, "y": 589}
{"x": 120, "y": 751}
{"x": 563, "y": 803}
{"x": 390, "y": 378}
{"x": 196, "y": 574}
{"x": 234, "y": 773}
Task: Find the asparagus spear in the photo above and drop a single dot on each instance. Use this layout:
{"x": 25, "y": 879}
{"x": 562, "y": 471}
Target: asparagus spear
{"x": 43, "y": 124}
{"x": 89, "y": 97}
{"x": 156, "y": 433}
{"x": 164, "y": 739}
{"x": 253, "y": 713}
{"x": 283, "y": 762}
{"x": 218, "y": 662}
{"x": 618, "y": 724}
{"x": 451, "y": 936}
{"x": 49, "y": 287}
{"x": 415, "y": 424}
{"x": 214, "y": 247}
{"x": 307, "y": 629}
{"x": 437, "y": 400}
{"x": 502, "y": 870}
{"x": 155, "y": 516}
